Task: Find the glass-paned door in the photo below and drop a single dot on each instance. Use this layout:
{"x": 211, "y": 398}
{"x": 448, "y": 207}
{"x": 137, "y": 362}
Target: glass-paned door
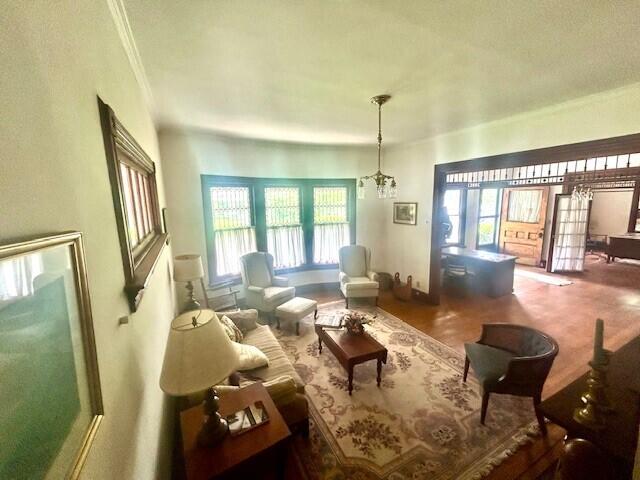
{"x": 569, "y": 235}
{"x": 453, "y": 199}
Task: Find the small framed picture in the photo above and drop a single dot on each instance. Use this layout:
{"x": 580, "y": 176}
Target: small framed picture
{"x": 405, "y": 213}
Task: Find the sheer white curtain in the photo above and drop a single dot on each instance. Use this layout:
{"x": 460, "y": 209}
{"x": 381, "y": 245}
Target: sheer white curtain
{"x": 524, "y": 206}
{"x": 230, "y": 245}
{"x": 16, "y": 276}
{"x": 286, "y": 244}
{"x": 571, "y": 234}
{"x": 327, "y": 240}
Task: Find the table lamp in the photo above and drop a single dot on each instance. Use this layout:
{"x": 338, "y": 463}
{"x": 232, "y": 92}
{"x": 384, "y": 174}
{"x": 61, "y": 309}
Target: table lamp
{"x": 187, "y": 268}
{"x": 199, "y": 355}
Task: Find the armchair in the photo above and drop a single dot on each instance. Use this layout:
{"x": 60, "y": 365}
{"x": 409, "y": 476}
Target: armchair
{"x": 356, "y": 278}
{"x": 264, "y": 291}
{"x": 511, "y": 359}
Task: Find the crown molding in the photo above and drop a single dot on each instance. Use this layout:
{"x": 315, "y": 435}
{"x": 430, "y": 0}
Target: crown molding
{"x": 119, "y": 15}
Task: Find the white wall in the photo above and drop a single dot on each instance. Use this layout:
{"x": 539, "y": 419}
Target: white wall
{"x": 56, "y": 57}
{"x": 189, "y": 154}
{"x": 610, "y": 212}
{"x": 605, "y": 115}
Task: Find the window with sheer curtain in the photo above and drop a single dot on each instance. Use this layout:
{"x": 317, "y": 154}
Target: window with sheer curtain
{"x": 330, "y": 223}
{"x": 302, "y": 222}
{"x": 285, "y": 239}
{"x": 233, "y": 231}
{"x": 524, "y": 206}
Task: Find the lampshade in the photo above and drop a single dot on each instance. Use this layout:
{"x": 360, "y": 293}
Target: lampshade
{"x": 196, "y": 357}
{"x": 187, "y": 268}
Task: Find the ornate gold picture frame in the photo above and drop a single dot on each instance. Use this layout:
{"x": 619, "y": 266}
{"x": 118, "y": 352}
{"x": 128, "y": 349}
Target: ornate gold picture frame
{"x": 50, "y": 400}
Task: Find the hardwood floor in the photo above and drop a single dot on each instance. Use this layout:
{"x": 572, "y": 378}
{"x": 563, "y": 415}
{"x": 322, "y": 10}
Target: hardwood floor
{"x": 568, "y": 313}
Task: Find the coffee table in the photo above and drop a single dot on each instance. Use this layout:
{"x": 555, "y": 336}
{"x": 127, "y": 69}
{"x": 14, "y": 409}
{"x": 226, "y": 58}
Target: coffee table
{"x": 351, "y": 350}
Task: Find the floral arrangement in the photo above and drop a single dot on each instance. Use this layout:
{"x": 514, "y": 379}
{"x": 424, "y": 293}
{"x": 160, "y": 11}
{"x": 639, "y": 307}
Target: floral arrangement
{"x": 354, "y": 322}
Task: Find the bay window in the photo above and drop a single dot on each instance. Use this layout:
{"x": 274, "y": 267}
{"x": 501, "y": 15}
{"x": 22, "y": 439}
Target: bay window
{"x": 301, "y": 222}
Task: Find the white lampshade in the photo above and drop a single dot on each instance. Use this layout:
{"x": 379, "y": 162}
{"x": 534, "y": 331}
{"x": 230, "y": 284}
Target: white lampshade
{"x": 187, "y": 268}
{"x": 197, "y": 357}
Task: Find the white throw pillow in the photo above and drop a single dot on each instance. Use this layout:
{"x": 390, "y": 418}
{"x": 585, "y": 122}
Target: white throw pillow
{"x": 250, "y": 357}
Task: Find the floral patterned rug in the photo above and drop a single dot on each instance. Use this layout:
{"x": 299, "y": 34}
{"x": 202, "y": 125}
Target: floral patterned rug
{"x": 422, "y": 423}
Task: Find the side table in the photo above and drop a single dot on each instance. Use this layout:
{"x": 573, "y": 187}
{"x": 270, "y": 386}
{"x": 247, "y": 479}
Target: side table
{"x": 248, "y": 453}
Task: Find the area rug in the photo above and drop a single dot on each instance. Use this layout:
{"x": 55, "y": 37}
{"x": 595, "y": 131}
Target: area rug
{"x": 541, "y": 277}
{"x": 422, "y": 423}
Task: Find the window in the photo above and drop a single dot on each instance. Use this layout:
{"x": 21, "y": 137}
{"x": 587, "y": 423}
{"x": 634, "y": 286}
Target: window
{"x": 454, "y": 202}
{"x": 301, "y": 222}
{"x": 330, "y": 223}
{"x": 285, "y": 240}
{"x": 135, "y": 198}
{"x": 234, "y": 234}
{"x": 489, "y": 217}
{"x": 524, "y": 206}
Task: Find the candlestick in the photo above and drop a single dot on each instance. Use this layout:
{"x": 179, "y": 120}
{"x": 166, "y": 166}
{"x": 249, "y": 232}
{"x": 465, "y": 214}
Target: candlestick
{"x": 598, "y": 352}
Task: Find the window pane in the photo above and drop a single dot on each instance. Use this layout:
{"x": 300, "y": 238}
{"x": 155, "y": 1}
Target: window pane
{"x": 330, "y": 205}
{"x": 488, "y": 202}
{"x": 327, "y": 240}
{"x": 452, "y": 201}
{"x": 128, "y": 205}
{"x": 233, "y": 233}
{"x": 282, "y": 206}
{"x": 231, "y": 207}
{"x": 455, "y": 231}
{"x": 524, "y": 206}
{"x": 486, "y": 231}
{"x": 230, "y": 245}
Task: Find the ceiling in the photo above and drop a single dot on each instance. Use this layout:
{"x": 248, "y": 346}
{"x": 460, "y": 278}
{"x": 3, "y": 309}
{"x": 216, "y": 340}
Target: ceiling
{"x": 304, "y": 70}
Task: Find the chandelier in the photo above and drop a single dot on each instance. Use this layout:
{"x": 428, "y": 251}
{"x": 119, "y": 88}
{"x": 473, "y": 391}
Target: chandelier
{"x": 385, "y": 184}
{"x": 580, "y": 192}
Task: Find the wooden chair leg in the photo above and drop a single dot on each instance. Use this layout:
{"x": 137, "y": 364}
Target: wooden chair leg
{"x": 539, "y": 416}
{"x": 346, "y": 302}
{"x": 466, "y": 369}
{"x": 485, "y": 403}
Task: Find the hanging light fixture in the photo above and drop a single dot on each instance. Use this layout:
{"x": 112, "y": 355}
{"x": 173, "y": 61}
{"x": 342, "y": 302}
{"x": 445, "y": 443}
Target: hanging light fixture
{"x": 385, "y": 184}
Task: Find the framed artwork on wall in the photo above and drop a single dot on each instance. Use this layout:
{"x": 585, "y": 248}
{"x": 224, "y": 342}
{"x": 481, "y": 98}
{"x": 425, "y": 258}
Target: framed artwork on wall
{"x": 405, "y": 213}
{"x": 50, "y": 400}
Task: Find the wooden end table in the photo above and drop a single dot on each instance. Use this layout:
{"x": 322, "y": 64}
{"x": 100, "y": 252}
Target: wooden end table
{"x": 351, "y": 350}
{"x": 247, "y": 453}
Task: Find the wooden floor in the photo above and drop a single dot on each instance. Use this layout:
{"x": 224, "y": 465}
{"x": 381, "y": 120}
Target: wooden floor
{"x": 568, "y": 314}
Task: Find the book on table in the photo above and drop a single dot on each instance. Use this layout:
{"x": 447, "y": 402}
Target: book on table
{"x": 330, "y": 321}
{"x": 247, "y": 419}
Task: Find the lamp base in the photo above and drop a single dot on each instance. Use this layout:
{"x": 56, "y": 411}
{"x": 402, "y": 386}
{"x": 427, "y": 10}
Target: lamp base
{"x": 192, "y": 303}
{"x": 214, "y": 428}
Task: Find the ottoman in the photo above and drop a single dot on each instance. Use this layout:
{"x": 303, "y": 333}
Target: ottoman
{"x": 295, "y": 310}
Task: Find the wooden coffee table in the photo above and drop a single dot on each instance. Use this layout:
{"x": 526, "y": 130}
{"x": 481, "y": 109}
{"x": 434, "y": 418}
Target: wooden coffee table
{"x": 351, "y": 350}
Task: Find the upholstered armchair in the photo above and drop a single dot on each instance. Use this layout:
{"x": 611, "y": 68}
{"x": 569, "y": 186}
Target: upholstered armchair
{"x": 356, "y": 278}
{"x": 263, "y": 290}
{"x": 511, "y": 359}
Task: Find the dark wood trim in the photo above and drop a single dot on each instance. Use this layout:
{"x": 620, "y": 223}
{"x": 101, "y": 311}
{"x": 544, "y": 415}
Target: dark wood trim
{"x": 622, "y": 145}
{"x": 634, "y": 214}
{"x": 574, "y": 151}
{"x": 120, "y": 147}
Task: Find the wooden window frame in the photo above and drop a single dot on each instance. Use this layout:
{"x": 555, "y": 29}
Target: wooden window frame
{"x": 138, "y": 259}
{"x": 257, "y": 186}
{"x": 462, "y": 224}
{"x": 497, "y": 214}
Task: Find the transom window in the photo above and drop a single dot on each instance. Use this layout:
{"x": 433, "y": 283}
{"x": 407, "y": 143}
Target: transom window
{"x": 301, "y": 222}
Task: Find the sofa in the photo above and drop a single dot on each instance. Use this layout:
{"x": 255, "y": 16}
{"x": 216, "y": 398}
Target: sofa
{"x": 280, "y": 378}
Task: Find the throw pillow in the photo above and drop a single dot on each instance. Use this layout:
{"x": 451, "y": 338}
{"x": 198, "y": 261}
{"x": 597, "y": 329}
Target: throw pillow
{"x": 245, "y": 320}
{"x": 250, "y": 357}
{"x": 228, "y": 323}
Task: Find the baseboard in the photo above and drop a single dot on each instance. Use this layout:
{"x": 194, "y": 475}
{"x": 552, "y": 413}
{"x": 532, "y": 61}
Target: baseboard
{"x": 318, "y": 287}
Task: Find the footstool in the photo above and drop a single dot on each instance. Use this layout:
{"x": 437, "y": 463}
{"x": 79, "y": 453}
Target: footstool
{"x": 295, "y": 310}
